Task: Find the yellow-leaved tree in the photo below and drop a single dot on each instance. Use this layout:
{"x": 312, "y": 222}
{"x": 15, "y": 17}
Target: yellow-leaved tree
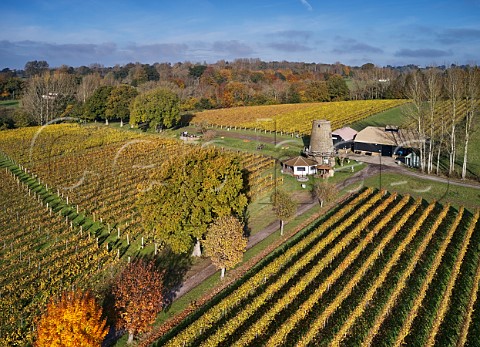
{"x": 225, "y": 243}
{"x": 73, "y": 320}
{"x": 284, "y": 206}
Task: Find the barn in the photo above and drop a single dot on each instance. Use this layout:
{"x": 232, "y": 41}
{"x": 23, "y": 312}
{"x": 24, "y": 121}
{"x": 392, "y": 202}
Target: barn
{"x": 388, "y": 141}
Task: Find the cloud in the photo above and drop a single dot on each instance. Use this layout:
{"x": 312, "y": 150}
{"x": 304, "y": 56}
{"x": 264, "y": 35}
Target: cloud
{"x": 292, "y": 34}
{"x": 450, "y": 36}
{"x": 353, "y": 46}
{"x": 422, "y": 53}
{"x": 307, "y": 5}
{"x": 157, "y": 51}
{"x": 232, "y": 48}
{"x": 289, "y": 46}
{"x": 18, "y": 53}
{"x": 53, "y": 49}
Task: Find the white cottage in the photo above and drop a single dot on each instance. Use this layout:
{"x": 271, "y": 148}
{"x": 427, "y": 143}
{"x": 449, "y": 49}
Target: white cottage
{"x": 299, "y": 166}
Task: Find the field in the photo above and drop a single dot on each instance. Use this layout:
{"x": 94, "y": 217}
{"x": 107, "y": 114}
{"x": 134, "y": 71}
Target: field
{"x": 380, "y": 270}
{"x": 67, "y": 213}
{"x": 9, "y": 103}
{"x": 67, "y": 220}
{"x": 294, "y": 118}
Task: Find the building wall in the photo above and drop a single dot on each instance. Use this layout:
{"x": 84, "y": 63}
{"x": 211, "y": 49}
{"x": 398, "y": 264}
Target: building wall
{"x": 304, "y": 170}
{"x": 321, "y": 137}
{"x": 367, "y": 147}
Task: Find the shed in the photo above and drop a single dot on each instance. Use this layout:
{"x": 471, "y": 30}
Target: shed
{"x": 299, "y": 166}
{"x": 343, "y": 138}
{"x": 385, "y": 141}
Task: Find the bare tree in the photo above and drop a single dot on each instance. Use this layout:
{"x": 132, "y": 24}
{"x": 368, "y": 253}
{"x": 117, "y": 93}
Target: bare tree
{"x": 433, "y": 84}
{"x": 415, "y": 91}
{"x": 88, "y": 85}
{"x": 472, "y": 91}
{"x": 454, "y": 87}
{"x": 48, "y": 95}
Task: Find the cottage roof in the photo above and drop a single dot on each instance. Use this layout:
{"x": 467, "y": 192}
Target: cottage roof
{"x": 377, "y": 135}
{"x": 346, "y": 133}
{"x": 299, "y": 161}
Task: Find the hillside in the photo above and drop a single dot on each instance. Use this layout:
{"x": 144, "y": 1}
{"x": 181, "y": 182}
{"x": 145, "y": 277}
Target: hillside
{"x": 294, "y": 118}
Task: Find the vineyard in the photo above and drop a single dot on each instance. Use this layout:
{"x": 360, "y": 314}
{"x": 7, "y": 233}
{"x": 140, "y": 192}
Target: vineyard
{"x": 295, "y": 118}
{"x": 379, "y": 270}
{"x": 68, "y": 215}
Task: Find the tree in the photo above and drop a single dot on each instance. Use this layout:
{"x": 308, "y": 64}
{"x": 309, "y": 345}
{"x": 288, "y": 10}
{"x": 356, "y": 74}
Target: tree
{"x": 283, "y": 206}
{"x": 433, "y": 84}
{"x": 137, "y": 75}
{"x": 96, "y": 105}
{"x": 119, "y": 101}
{"x": 138, "y": 294}
{"x": 156, "y": 107}
{"x": 188, "y": 193}
{"x": 455, "y": 89}
{"x": 48, "y": 95}
{"x": 35, "y": 67}
{"x": 416, "y": 109}
{"x": 225, "y": 243}
{"x": 337, "y": 88}
{"x": 74, "y": 320}
{"x": 325, "y": 192}
{"x": 317, "y": 91}
{"x": 197, "y": 71}
{"x": 472, "y": 88}
{"x": 87, "y": 87}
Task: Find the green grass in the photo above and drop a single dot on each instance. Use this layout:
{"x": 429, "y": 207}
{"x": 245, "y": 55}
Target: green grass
{"x": 429, "y": 190}
{"x": 393, "y": 116}
{"x": 9, "y": 103}
{"x": 473, "y": 163}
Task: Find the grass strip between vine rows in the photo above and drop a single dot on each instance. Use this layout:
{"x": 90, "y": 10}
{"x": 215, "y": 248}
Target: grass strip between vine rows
{"x": 402, "y": 282}
{"x": 456, "y": 269}
{"x": 211, "y": 316}
{"x": 259, "y": 326}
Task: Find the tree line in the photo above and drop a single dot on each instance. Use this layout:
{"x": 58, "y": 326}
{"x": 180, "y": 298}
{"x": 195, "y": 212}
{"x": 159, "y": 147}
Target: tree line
{"x": 49, "y": 93}
{"x": 444, "y": 111}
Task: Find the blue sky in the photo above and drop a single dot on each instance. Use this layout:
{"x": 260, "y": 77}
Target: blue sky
{"x": 353, "y": 32}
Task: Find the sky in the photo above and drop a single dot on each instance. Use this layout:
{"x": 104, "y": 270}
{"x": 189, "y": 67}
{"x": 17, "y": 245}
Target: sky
{"x": 352, "y": 32}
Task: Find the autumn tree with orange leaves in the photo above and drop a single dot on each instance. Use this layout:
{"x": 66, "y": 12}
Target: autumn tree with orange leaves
{"x": 138, "y": 294}
{"x": 74, "y": 320}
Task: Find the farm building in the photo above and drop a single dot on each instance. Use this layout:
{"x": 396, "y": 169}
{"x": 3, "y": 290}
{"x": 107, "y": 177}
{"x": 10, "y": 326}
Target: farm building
{"x": 299, "y": 166}
{"x": 343, "y": 138}
{"x": 387, "y": 141}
